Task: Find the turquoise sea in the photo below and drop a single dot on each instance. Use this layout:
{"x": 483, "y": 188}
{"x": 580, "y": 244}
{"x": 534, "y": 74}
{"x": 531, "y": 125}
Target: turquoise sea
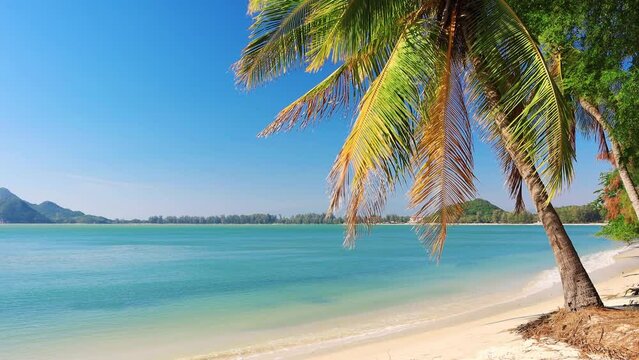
{"x": 153, "y": 291}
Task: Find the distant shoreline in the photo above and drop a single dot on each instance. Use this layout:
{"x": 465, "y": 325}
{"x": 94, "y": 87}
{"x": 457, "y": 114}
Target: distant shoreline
{"x": 280, "y": 224}
{"x": 476, "y": 212}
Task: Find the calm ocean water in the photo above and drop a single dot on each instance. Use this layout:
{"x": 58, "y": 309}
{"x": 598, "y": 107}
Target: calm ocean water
{"x": 75, "y": 291}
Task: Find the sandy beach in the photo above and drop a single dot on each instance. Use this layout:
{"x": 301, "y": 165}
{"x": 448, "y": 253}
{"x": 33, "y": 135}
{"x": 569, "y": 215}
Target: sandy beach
{"x": 489, "y": 337}
{"x": 481, "y": 335}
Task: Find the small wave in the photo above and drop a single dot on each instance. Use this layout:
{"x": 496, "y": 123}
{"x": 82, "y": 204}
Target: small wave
{"x": 548, "y": 278}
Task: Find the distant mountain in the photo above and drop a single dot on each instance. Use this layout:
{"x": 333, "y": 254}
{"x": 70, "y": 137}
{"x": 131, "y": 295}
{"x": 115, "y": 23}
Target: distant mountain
{"x": 58, "y": 214}
{"x": 15, "y": 210}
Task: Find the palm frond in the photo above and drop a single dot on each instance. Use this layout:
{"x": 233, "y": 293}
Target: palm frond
{"x": 279, "y": 40}
{"x": 484, "y": 114}
{"x": 444, "y": 178}
{"x": 591, "y": 128}
{"x": 340, "y": 89}
{"x": 377, "y": 152}
{"x": 540, "y": 118}
{"x": 255, "y": 5}
{"x": 354, "y": 24}
{"x": 514, "y": 179}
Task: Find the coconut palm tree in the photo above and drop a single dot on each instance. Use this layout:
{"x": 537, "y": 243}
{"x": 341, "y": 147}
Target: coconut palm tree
{"x": 593, "y": 122}
{"x": 416, "y": 75}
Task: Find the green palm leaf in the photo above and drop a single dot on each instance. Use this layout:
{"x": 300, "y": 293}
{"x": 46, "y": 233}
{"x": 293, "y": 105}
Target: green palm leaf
{"x": 339, "y": 90}
{"x": 543, "y": 121}
{"x": 279, "y": 36}
{"x": 379, "y": 149}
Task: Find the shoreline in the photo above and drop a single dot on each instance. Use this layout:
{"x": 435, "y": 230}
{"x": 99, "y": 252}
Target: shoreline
{"x": 480, "y": 329}
{"x": 486, "y": 334}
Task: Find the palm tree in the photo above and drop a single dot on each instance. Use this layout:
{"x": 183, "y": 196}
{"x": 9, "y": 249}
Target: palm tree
{"x": 416, "y": 74}
{"x": 593, "y": 122}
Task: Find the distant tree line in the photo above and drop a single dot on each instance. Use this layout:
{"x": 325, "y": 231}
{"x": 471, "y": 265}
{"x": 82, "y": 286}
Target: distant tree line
{"x": 480, "y": 211}
{"x": 574, "y": 214}
{"x": 476, "y": 212}
{"x": 498, "y": 217}
{"x": 309, "y": 218}
{"x": 223, "y": 219}
{"x": 590, "y": 213}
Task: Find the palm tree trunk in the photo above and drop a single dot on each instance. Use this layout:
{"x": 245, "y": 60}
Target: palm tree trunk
{"x": 628, "y": 184}
{"x": 579, "y": 291}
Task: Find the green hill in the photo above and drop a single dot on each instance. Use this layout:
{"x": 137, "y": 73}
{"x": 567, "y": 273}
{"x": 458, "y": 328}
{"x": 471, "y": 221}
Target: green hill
{"x": 480, "y": 206}
{"x": 58, "y": 214}
{"x": 15, "y": 210}
{"x": 480, "y": 211}
{"x": 484, "y": 212}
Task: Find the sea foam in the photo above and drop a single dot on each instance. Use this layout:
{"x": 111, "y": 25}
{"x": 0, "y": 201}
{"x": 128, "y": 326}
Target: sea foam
{"x": 593, "y": 262}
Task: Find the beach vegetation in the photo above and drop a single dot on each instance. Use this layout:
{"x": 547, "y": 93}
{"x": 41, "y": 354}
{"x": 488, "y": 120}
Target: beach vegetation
{"x": 619, "y": 229}
{"x": 592, "y": 44}
{"x": 617, "y": 209}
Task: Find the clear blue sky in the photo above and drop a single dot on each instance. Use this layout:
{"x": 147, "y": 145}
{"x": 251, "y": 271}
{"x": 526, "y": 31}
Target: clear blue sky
{"x": 129, "y": 109}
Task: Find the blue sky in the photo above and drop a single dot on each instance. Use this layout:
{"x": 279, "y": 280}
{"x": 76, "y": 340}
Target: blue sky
{"x": 129, "y": 109}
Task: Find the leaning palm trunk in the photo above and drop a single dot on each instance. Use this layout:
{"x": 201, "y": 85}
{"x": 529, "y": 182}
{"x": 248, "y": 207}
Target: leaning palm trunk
{"x": 579, "y": 291}
{"x": 628, "y": 184}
